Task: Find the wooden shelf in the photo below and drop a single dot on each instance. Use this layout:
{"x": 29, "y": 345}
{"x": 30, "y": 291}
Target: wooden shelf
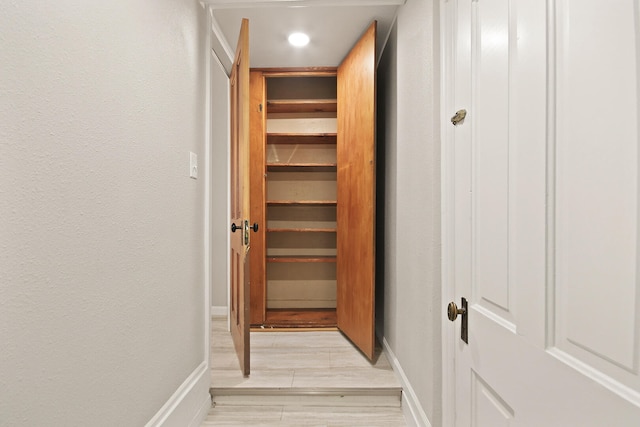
{"x": 301, "y": 203}
{"x": 301, "y": 230}
{"x": 301, "y": 259}
{"x": 301, "y": 138}
{"x": 301, "y": 318}
{"x": 302, "y": 106}
{"x": 301, "y": 167}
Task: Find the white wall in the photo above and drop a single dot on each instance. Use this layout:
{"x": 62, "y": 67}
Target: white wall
{"x": 409, "y": 97}
{"x": 102, "y": 289}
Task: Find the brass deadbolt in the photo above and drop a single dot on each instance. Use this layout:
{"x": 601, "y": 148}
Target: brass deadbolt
{"x": 458, "y": 117}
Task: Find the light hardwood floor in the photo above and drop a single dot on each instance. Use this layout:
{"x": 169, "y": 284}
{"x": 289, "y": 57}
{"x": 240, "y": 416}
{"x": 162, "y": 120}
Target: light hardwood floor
{"x": 268, "y": 416}
{"x": 303, "y": 379}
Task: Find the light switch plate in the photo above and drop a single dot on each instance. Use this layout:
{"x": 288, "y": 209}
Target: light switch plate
{"x": 193, "y": 165}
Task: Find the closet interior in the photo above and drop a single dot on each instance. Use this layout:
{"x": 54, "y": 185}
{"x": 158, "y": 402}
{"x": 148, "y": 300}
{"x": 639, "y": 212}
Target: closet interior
{"x": 294, "y": 194}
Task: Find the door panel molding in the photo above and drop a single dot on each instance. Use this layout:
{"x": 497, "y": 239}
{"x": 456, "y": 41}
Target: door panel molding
{"x": 594, "y": 190}
{"x": 487, "y": 404}
{"x": 492, "y": 34}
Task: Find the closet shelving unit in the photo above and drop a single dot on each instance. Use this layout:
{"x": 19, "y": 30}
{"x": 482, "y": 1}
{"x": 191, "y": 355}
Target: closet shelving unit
{"x": 299, "y": 127}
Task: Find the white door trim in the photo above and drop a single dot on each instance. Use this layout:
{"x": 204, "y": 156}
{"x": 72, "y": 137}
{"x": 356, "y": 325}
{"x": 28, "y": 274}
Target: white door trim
{"x": 220, "y": 52}
{"x": 207, "y": 200}
{"x": 219, "y": 44}
{"x": 447, "y": 71}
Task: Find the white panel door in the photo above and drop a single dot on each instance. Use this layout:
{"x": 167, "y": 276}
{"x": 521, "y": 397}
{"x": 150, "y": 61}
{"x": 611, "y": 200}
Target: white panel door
{"x": 544, "y": 190}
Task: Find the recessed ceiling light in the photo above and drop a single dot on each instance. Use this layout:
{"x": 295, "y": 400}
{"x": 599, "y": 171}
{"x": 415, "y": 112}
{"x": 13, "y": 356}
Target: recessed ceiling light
{"x": 299, "y": 39}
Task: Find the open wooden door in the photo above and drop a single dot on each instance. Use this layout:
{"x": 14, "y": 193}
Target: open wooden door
{"x": 239, "y": 112}
{"x": 356, "y": 149}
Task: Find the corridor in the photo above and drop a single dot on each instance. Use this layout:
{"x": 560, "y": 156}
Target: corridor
{"x": 301, "y": 378}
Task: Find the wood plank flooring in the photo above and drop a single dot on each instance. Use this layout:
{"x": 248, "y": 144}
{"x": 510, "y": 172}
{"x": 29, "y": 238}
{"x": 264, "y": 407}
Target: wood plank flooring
{"x": 267, "y": 416}
{"x": 301, "y": 378}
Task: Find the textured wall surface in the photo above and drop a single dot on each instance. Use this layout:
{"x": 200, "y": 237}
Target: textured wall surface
{"x": 219, "y": 184}
{"x": 101, "y": 238}
{"x": 409, "y": 81}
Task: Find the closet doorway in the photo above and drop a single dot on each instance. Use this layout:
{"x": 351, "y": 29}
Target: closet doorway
{"x": 327, "y": 174}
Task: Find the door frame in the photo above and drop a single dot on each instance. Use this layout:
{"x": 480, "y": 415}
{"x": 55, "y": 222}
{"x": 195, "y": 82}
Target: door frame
{"x": 214, "y": 61}
{"x": 221, "y": 54}
{"x": 222, "y": 151}
{"x": 208, "y": 221}
{"x": 448, "y": 21}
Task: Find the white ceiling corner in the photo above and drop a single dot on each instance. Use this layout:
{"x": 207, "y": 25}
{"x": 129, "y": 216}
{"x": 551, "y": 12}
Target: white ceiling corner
{"x": 333, "y": 26}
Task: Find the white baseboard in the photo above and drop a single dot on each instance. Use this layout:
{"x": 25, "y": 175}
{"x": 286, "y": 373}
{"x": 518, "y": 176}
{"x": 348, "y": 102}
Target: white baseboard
{"x": 219, "y": 310}
{"x": 190, "y": 403}
{"x": 202, "y": 413}
{"x": 413, "y": 412}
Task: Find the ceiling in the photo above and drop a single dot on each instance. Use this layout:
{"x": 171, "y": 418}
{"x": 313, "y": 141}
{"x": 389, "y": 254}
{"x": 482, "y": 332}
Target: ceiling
{"x": 333, "y": 27}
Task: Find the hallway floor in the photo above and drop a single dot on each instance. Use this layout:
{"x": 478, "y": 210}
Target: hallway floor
{"x": 301, "y": 378}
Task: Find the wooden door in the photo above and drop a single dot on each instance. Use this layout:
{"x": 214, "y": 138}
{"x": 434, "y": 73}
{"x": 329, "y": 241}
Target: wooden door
{"x": 356, "y": 190}
{"x": 239, "y": 82}
{"x": 545, "y": 229}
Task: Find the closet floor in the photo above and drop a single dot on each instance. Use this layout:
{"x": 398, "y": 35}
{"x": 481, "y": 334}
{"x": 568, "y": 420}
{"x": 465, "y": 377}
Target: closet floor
{"x": 294, "y": 371}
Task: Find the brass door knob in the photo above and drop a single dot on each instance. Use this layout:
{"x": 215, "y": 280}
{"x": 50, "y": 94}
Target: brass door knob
{"x": 453, "y": 311}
